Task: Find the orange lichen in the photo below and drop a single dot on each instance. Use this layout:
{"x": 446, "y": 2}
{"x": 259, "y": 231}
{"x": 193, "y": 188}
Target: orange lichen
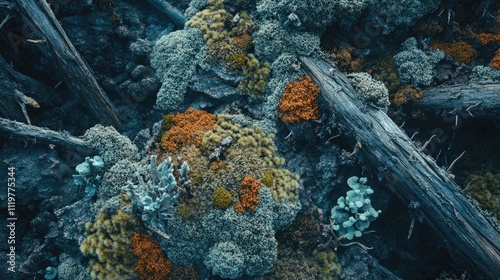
{"x": 151, "y": 263}
{"x": 298, "y": 102}
{"x": 249, "y": 198}
{"x": 407, "y": 94}
{"x": 218, "y": 165}
{"x": 243, "y": 42}
{"x": 460, "y": 51}
{"x": 188, "y": 127}
{"x": 485, "y": 38}
{"x": 346, "y": 60}
{"x": 495, "y": 62}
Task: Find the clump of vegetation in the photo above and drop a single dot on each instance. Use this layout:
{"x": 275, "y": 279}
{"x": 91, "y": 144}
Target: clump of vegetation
{"x": 460, "y": 51}
{"x": 408, "y": 94}
{"x": 298, "y": 102}
{"x": 185, "y": 128}
{"x": 486, "y": 190}
{"x": 151, "y": 263}
{"x": 229, "y": 42}
{"x": 222, "y": 198}
{"x": 108, "y": 243}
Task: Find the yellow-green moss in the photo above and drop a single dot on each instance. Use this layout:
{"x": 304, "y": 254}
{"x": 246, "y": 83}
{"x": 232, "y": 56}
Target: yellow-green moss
{"x": 167, "y": 123}
{"x": 222, "y": 198}
{"x": 108, "y": 244}
{"x": 267, "y": 179}
{"x": 248, "y": 142}
{"x": 183, "y": 210}
{"x": 329, "y": 262}
{"x": 230, "y": 45}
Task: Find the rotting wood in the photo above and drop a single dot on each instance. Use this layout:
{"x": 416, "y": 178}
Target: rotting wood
{"x": 170, "y": 11}
{"x": 415, "y": 177}
{"x": 74, "y": 71}
{"x": 477, "y": 100}
{"x": 29, "y": 132}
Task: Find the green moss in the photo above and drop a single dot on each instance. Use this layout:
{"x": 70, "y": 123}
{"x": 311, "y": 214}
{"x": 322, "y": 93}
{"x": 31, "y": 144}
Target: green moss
{"x": 229, "y": 45}
{"x": 222, "y": 198}
{"x": 183, "y": 210}
{"x": 486, "y": 190}
{"x": 329, "y": 262}
{"x": 167, "y": 123}
{"x": 386, "y": 70}
{"x": 197, "y": 179}
{"x": 267, "y": 179}
{"x": 108, "y": 243}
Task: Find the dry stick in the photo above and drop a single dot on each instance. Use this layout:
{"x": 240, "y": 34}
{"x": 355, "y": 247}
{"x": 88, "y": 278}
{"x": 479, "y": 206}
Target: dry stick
{"x": 472, "y": 240}
{"x": 455, "y": 161}
{"x": 29, "y": 132}
{"x": 75, "y": 72}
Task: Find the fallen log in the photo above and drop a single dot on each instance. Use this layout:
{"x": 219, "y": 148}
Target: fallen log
{"x": 471, "y": 239}
{"x": 20, "y": 130}
{"x": 170, "y": 11}
{"x": 74, "y": 71}
{"x": 476, "y": 100}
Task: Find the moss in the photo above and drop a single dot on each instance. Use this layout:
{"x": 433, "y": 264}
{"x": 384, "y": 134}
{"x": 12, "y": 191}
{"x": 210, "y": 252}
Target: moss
{"x": 152, "y": 263}
{"x": 329, "y": 262}
{"x": 222, "y": 198}
{"x": 229, "y": 43}
{"x": 167, "y": 123}
{"x": 486, "y": 190}
{"x": 346, "y": 60}
{"x": 298, "y": 102}
{"x": 495, "y": 61}
{"x": 187, "y": 128}
{"x": 108, "y": 243}
{"x": 183, "y": 210}
{"x": 385, "y": 70}
{"x": 267, "y": 179}
{"x": 408, "y": 94}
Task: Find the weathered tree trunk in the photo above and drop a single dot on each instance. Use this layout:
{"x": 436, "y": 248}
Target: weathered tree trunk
{"x": 74, "y": 71}
{"x": 23, "y": 131}
{"x": 170, "y": 11}
{"x": 472, "y": 240}
{"x": 478, "y": 100}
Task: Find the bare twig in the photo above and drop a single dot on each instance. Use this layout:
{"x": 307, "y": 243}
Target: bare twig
{"x": 453, "y": 162}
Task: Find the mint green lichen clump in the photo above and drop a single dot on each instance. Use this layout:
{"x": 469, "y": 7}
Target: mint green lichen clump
{"x": 354, "y": 212}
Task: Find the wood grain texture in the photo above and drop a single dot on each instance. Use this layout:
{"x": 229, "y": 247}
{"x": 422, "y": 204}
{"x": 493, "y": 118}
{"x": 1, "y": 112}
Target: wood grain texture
{"x": 74, "y": 70}
{"x": 471, "y": 239}
{"x": 480, "y": 100}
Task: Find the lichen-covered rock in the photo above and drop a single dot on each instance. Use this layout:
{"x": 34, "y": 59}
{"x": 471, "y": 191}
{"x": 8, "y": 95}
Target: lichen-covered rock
{"x": 174, "y": 58}
{"x": 38, "y": 173}
{"x": 110, "y": 144}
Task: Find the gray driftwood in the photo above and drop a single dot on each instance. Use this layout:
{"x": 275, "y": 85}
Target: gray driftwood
{"x": 415, "y": 177}
{"x": 170, "y": 11}
{"x": 74, "y": 70}
{"x": 477, "y": 100}
{"x": 29, "y": 132}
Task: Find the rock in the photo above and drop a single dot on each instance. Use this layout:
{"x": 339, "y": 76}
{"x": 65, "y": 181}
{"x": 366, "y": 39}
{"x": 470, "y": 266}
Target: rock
{"x": 212, "y": 85}
{"x": 38, "y": 173}
{"x": 138, "y": 72}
